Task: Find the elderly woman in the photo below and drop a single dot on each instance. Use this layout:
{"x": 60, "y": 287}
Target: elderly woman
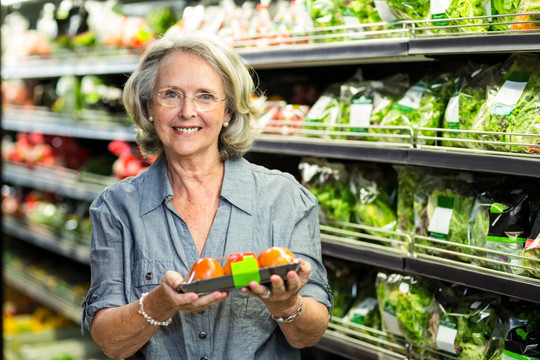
{"x": 191, "y": 101}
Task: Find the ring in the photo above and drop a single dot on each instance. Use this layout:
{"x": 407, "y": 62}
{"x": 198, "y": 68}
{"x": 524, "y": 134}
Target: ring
{"x": 267, "y": 294}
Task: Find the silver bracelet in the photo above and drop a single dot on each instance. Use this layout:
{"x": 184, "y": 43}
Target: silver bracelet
{"x": 148, "y": 317}
{"x": 288, "y": 319}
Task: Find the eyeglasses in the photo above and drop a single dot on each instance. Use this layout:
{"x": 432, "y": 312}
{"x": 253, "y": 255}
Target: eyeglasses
{"x": 173, "y": 98}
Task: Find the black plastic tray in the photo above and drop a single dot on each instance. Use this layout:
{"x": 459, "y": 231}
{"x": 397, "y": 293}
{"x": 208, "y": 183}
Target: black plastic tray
{"x": 226, "y": 283}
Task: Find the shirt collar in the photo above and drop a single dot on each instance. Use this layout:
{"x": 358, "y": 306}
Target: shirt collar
{"x": 238, "y": 186}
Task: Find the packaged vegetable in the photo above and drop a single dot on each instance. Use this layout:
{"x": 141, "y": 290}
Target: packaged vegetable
{"x": 475, "y": 9}
{"x": 407, "y": 305}
{"x": 327, "y": 14}
{"x": 343, "y": 280}
{"x": 408, "y": 179}
{"x": 520, "y": 330}
{"x": 366, "y": 102}
{"x": 372, "y": 205}
{"x": 442, "y": 208}
{"x": 503, "y": 7}
{"x": 329, "y": 182}
{"x": 325, "y": 111}
{"x": 410, "y": 9}
{"x": 423, "y": 104}
{"x": 465, "y": 322}
{"x": 528, "y": 21}
{"x": 464, "y": 104}
{"x": 512, "y": 106}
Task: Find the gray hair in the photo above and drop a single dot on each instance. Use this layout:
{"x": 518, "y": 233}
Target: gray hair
{"x": 234, "y": 140}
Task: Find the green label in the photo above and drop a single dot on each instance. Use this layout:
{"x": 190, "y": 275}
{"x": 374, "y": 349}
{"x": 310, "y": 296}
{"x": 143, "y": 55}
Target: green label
{"x": 507, "y": 355}
{"x": 245, "y": 271}
{"x": 502, "y": 239}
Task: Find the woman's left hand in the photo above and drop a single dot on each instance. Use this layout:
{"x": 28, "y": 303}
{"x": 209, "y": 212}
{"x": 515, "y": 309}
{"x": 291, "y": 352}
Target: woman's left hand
{"x": 280, "y": 295}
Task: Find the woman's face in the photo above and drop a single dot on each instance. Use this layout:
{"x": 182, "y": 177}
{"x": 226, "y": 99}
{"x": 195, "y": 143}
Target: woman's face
{"x": 185, "y": 130}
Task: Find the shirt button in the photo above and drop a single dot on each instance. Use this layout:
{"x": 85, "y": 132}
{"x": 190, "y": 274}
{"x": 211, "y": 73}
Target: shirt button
{"x": 203, "y": 335}
{"x": 204, "y": 357}
{"x": 148, "y": 276}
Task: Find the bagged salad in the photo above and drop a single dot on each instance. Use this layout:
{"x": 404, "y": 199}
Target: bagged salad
{"x": 423, "y": 104}
{"x": 502, "y": 229}
{"x": 364, "y": 103}
{"x": 520, "y": 330}
{"x": 442, "y": 207}
{"x": 329, "y": 182}
{"x": 465, "y": 322}
{"x": 512, "y": 107}
{"x": 406, "y": 305}
{"x": 464, "y": 104}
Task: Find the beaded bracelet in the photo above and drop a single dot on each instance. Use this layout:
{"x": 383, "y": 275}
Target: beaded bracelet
{"x": 148, "y": 317}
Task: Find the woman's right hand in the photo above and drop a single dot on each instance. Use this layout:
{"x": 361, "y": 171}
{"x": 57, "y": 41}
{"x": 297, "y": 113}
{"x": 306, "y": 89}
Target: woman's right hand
{"x": 171, "y": 298}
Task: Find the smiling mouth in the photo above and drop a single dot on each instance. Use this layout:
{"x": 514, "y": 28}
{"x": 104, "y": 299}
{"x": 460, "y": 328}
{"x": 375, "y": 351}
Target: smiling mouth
{"x": 187, "y": 130}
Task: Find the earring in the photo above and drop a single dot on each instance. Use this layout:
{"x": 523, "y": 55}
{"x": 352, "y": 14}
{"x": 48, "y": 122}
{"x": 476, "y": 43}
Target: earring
{"x": 151, "y": 118}
{"x": 226, "y": 124}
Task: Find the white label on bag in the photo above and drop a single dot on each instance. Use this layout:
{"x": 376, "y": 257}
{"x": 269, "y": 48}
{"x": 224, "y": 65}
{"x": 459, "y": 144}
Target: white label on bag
{"x": 412, "y": 97}
{"x": 451, "y": 114}
{"x": 446, "y": 337}
{"x": 440, "y": 221}
{"x": 391, "y": 322}
{"x": 439, "y": 6}
{"x": 384, "y": 11}
{"x": 319, "y": 107}
{"x": 360, "y": 114}
{"x": 507, "y": 97}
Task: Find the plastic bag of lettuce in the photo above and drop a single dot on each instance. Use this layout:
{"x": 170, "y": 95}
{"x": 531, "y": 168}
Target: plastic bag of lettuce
{"x": 442, "y": 206}
{"x": 465, "y": 322}
{"x": 365, "y": 103}
{"x": 423, "y": 105}
{"x": 502, "y": 228}
{"x": 329, "y": 182}
{"x": 511, "y": 107}
{"x": 406, "y": 306}
{"x": 464, "y": 104}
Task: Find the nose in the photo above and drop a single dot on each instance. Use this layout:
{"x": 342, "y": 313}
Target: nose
{"x": 187, "y": 108}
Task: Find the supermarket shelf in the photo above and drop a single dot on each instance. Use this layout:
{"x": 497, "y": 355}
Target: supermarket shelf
{"x": 56, "y": 180}
{"x": 329, "y": 149}
{"x": 343, "y": 346}
{"x": 89, "y": 64}
{"x": 58, "y": 124}
{"x": 336, "y": 53}
{"x": 45, "y": 238}
{"x": 382, "y": 50}
{"x": 51, "y": 299}
{"x": 477, "y": 44}
{"x": 467, "y": 274}
{"x": 475, "y": 162}
{"x": 363, "y": 255}
{"x": 355, "y": 341}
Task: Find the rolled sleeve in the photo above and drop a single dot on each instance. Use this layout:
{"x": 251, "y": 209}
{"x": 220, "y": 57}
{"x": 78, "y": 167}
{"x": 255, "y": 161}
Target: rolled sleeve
{"x": 106, "y": 260}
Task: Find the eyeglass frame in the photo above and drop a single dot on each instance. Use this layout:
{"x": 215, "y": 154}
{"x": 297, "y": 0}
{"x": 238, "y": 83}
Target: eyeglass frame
{"x": 183, "y": 97}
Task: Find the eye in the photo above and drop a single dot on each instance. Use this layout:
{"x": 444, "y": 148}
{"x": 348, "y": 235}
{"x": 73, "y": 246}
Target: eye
{"x": 172, "y": 94}
{"x": 205, "y": 97}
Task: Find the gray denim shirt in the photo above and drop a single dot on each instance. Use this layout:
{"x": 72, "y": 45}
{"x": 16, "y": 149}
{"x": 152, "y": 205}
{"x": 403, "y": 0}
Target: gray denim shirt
{"x": 137, "y": 236}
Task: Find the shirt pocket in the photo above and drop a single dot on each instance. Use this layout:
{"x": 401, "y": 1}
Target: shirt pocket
{"x": 147, "y": 273}
{"x": 248, "y": 307}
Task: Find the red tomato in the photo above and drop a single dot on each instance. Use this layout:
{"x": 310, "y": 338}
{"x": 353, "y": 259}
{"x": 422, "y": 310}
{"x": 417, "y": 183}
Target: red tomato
{"x": 234, "y": 258}
{"x": 275, "y": 256}
{"x": 204, "y": 268}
